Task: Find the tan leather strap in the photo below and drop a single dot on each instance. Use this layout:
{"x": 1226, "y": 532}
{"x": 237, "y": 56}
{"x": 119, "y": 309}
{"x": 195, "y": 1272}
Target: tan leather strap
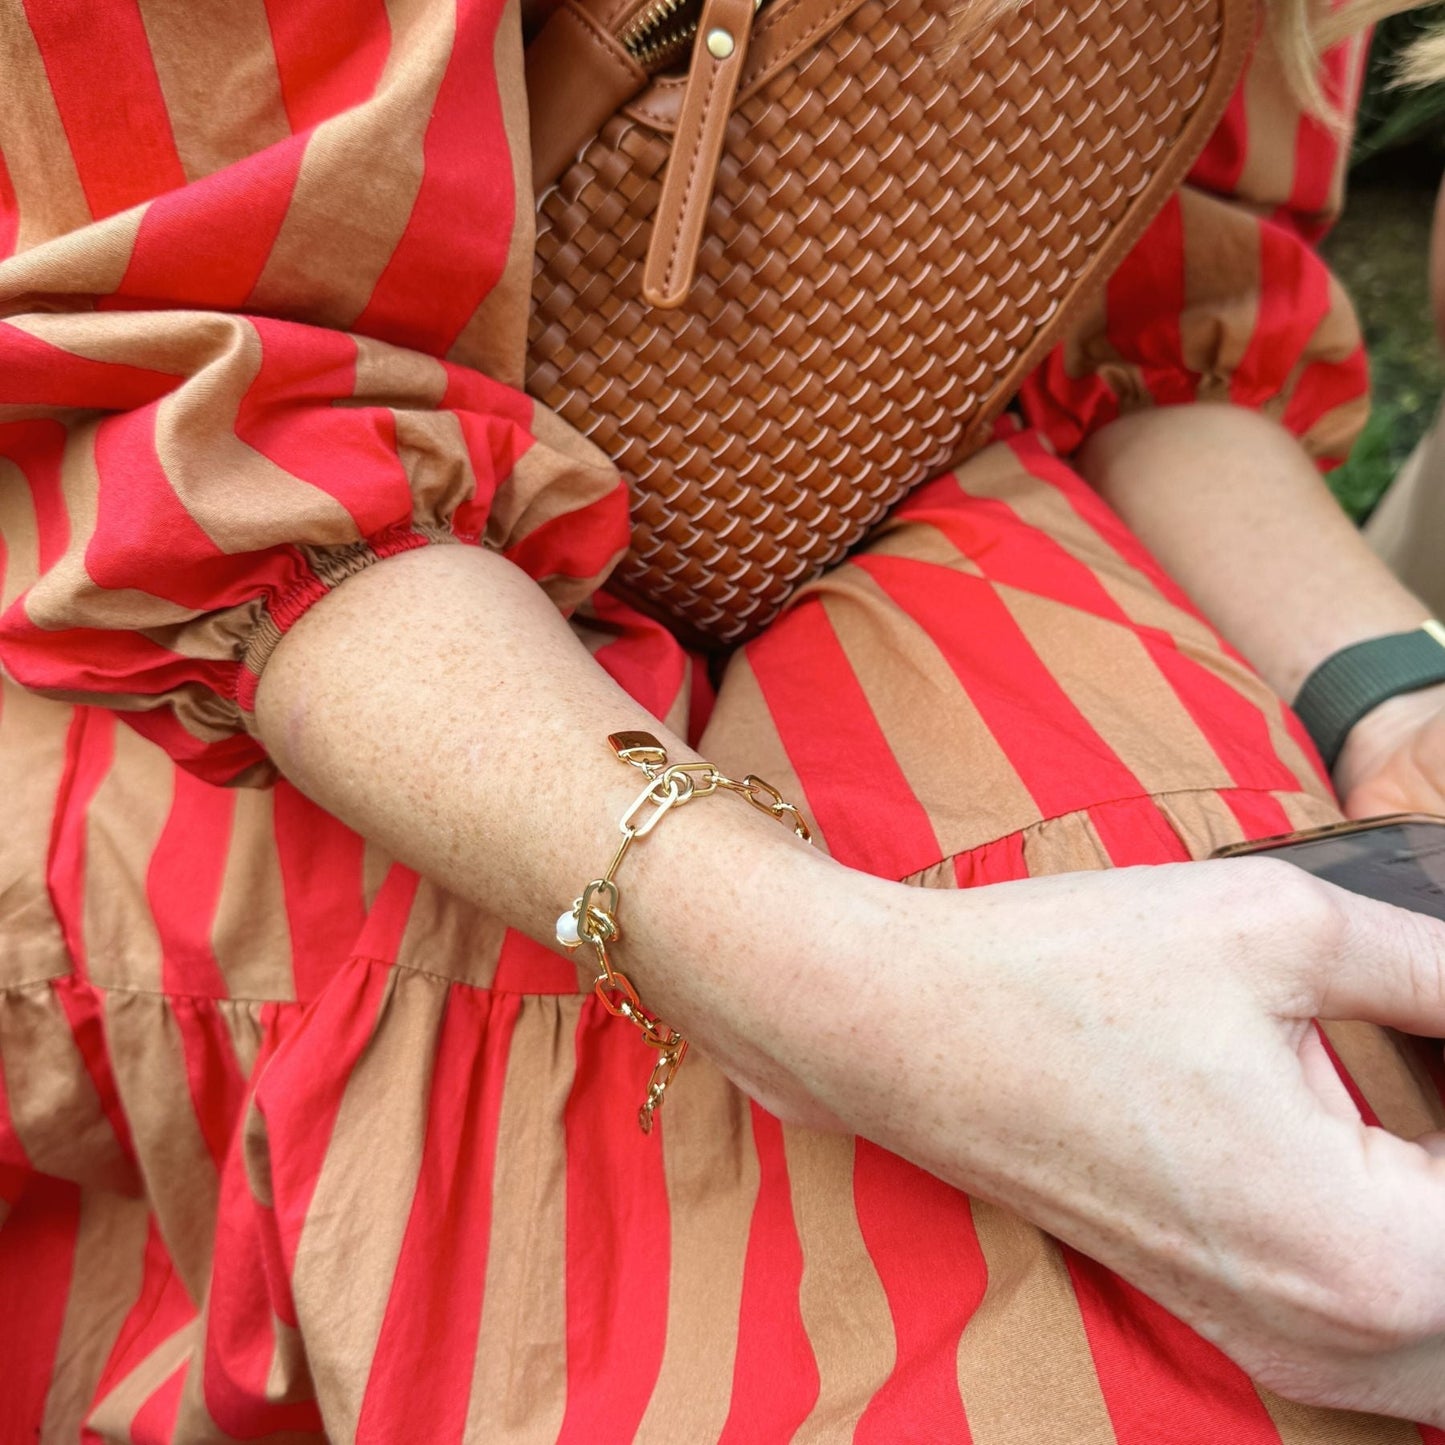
{"x": 712, "y": 84}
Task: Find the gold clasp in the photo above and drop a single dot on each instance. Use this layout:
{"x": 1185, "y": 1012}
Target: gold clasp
{"x": 696, "y": 779}
{"x": 603, "y": 916}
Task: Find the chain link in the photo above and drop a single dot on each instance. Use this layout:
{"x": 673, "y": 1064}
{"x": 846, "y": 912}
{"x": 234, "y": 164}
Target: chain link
{"x": 592, "y": 918}
{"x": 767, "y": 799}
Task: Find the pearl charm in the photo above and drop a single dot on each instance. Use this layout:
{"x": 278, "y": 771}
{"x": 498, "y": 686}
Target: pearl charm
{"x": 567, "y": 934}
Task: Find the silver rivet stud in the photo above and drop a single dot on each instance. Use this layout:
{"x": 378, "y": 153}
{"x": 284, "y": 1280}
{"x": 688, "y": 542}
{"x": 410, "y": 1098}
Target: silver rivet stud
{"x": 720, "y": 43}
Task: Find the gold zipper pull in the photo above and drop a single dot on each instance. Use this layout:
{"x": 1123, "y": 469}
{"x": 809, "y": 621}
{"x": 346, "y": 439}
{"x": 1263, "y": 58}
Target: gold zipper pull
{"x": 712, "y": 85}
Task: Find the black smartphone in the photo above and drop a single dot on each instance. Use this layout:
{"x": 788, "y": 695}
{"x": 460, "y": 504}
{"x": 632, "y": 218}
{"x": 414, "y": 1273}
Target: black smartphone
{"x": 1399, "y": 858}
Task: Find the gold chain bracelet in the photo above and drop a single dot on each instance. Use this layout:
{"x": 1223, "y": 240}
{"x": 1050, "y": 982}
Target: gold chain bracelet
{"x": 592, "y": 918}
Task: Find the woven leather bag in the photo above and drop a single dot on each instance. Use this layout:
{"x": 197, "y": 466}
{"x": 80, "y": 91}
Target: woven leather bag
{"x": 786, "y": 284}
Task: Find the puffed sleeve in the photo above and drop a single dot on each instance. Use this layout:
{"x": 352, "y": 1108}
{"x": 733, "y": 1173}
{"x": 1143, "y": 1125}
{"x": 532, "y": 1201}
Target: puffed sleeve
{"x": 264, "y": 321}
{"x": 1225, "y": 298}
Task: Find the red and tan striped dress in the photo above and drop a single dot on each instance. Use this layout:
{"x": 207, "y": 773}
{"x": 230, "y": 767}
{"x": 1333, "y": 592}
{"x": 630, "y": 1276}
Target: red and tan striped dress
{"x": 295, "y": 1146}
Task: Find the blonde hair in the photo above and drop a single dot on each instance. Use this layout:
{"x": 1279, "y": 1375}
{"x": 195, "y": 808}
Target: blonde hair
{"x": 1424, "y": 62}
{"x": 1301, "y": 32}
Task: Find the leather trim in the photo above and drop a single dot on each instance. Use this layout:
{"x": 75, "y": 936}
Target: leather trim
{"x": 687, "y": 185}
{"x": 578, "y": 76}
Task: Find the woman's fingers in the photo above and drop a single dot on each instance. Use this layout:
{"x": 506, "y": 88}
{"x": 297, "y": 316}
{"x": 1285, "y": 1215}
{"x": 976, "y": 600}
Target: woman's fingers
{"x": 1388, "y": 965}
{"x": 1322, "y": 951}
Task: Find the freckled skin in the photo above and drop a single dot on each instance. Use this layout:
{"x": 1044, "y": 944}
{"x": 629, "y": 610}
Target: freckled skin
{"x": 1124, "y": 1058}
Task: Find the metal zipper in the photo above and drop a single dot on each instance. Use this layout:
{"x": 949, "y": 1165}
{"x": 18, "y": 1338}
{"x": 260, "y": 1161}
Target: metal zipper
{"x": 660, "y": 33}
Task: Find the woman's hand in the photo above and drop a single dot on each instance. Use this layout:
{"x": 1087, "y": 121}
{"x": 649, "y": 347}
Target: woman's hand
{"x": 1127, "y": 1059}
{"x": 1394, "y": 758}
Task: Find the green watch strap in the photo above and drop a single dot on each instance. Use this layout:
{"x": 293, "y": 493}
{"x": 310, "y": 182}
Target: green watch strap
{"x": 1347, "y": 684}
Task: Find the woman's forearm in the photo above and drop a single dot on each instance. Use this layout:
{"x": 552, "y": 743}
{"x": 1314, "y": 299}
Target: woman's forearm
{"x": 1236, "y": 513}
{"x": 440, "y": 705}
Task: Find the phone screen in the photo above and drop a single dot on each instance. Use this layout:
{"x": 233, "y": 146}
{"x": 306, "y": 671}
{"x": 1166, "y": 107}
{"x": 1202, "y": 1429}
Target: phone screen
{"x": 1401, "y": 863}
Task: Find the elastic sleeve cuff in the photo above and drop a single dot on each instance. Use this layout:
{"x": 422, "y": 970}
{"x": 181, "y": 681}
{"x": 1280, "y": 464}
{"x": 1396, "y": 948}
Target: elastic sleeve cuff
{"x": 1215, "y": 304}
{"x": 330, "y": 566}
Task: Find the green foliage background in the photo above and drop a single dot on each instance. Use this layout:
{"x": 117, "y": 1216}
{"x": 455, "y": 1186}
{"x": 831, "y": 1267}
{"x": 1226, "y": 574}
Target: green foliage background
{"x": 1379, "y": 251}
{"x": 1392, "y": 116}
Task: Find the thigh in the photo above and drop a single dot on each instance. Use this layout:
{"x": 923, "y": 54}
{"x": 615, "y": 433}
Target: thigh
{"x": 1006, "y": 662}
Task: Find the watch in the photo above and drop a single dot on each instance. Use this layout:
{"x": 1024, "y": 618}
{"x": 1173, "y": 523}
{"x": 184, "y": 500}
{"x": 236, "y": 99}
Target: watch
{"x": 1352, "y": 681}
